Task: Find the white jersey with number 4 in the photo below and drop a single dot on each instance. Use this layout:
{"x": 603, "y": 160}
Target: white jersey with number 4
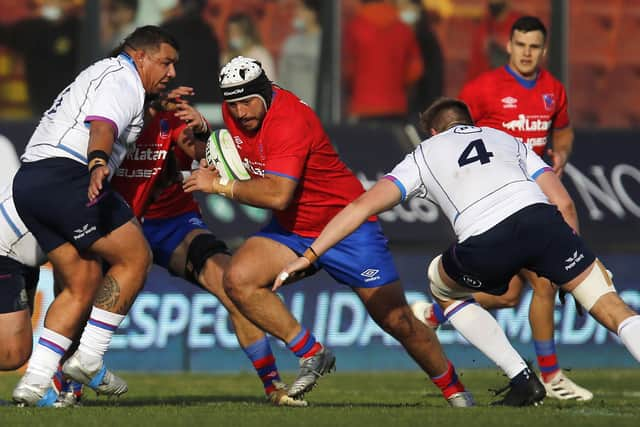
{"x": 478, "y": 176}
{"x": 109, "y": 90}
{"x": 16, "y": 242}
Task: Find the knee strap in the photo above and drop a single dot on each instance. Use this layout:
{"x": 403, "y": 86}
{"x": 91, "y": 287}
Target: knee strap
{"x": 202, "y": 247}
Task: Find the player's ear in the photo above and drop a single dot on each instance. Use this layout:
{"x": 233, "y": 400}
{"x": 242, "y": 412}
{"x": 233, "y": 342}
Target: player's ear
{"x": 508, "y": 46}
{"x": 433, "y": 132}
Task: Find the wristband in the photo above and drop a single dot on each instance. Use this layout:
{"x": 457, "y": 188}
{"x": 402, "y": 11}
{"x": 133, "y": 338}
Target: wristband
{"x": 310, "y": 255}
{"x": 98, "y": 154}
{"x": 95, "y": 164}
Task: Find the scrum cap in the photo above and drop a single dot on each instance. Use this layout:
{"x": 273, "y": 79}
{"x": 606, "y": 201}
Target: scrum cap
{"x": 242, "y": 78}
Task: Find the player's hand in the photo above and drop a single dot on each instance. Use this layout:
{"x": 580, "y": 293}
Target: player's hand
{"x": 291, "y": 272}
{"x": 191, "y": 117}
{"x": 205, "y": 179}
{"x": 558, "y": 160}
{"x": 98, "y": 175}
{"x": 176, "y": 94}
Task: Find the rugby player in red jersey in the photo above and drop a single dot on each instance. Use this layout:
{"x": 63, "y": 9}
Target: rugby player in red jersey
{"x": 173, "y": 137}
{"x": 296, "y": 173}
{"x": 526, "y": 101}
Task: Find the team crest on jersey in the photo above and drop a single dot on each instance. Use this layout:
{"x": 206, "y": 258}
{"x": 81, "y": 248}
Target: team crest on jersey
{"x": 509, "y": 102}
{"x": 164, "y": 127}
{"x": 549, "y": 101}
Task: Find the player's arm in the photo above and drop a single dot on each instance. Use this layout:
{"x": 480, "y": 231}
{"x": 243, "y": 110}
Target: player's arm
{"x": 382, "y": 196}
{"x": 101, "y": 137}
{"x": 562, "y": 147}
{"x": 558, "y": 195}
{"x": 269, "y": 192}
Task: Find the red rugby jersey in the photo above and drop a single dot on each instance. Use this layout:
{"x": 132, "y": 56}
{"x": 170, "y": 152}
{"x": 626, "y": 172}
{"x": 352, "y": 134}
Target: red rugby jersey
{"x": 526, "y": 109}
{"x": 138, "y": 173}
{"x": 292, "y": 143}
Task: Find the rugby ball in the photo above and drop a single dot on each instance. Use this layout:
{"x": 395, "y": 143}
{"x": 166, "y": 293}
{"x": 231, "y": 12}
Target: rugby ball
{"x": 221, "y": 152}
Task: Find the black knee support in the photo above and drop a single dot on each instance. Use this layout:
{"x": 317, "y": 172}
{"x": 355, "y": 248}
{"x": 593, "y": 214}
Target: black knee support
{"x": 202, "y": 247}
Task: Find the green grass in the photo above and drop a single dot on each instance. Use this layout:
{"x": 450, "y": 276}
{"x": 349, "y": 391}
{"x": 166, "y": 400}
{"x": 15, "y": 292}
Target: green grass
{"x": 354, "y": 399}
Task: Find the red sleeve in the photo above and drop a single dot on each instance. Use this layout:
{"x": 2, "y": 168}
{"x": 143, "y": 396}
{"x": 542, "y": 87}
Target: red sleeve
{"x": 287, "y": 148}
{"x": 561, "y": 118}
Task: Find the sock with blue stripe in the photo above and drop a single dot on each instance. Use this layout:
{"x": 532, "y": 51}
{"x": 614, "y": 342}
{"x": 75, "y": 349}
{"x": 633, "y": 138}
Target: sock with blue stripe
{"x": 304, "y": 344}
{"x": 264, "y": 363}
{"x": 46, "y": 356}
{"x": 547, "y": 359}
{"x": 97, "y": 335}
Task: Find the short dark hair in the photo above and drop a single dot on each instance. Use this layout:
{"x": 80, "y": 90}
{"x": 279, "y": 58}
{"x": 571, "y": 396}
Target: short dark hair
{"x": 313, "y": 5}
{"x": 529, "y": 23}
{"x": 443, "y": 113}
{"x": 149, "y": 37}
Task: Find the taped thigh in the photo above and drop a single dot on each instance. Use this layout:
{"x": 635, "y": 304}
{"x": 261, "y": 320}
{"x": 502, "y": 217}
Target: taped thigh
{"x": 202, "y": 247}
{"x": 597, "y": 283}
{"x": 438, "y": 288}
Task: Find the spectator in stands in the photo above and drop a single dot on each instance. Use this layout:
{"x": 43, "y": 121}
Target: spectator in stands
{"x": 299, "y": 61}
{"x": 48, "y": 43}
{"x": 199, "y": 51}
{"x": 381, "y": 62}
{"x": 121, "y": 19}
{"x": 490, "y": 38}
{"x": 430, "y": 85}
{"x": 155, "y": 12}
{"x": 243, "y": 40}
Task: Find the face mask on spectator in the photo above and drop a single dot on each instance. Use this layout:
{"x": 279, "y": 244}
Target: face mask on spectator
{"x": 236, "y": 43}
{"x": 409, "y": 16}
{"x": 51, "y": 13}
{"x": 299, "y": 24}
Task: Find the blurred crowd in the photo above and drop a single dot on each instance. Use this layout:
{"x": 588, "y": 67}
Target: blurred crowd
{"x": 397, "y": 55}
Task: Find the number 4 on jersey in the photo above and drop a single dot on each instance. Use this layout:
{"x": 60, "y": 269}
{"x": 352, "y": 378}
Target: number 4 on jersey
{"x": 475, "y": 151}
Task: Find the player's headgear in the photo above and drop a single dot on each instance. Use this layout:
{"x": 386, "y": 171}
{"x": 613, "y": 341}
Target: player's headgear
{"x": 243, "y": 78}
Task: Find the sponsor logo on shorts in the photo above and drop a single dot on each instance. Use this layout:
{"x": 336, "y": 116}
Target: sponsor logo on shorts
{"x": 573, "y": 260}
{"x": 196, "y": 221}
{"x": 371, "y": 274}
{"x": 81, "y": 232}
{"x": 471, "y": 282}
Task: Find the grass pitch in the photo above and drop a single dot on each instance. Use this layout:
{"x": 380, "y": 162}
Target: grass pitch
{"x": 351, "y": 399}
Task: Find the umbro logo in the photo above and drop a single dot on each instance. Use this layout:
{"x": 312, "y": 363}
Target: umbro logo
{"x": 81, "y": 232}
{"x": 370, "y": 274}
{"x": 573, "y": 260}
{"x": 196, "y": 222}
{"x": 509, "y": 102}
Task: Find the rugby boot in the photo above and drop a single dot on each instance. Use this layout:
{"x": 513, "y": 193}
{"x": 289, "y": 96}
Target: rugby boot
{"x": 312, "y": 368}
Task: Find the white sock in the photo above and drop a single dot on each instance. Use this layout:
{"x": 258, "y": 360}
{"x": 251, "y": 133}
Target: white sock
{"x": 97, "y": 335}
{"x": 46, "y": 356}
{"x": 629, "y": 333}
{"x": 480, "y": 328}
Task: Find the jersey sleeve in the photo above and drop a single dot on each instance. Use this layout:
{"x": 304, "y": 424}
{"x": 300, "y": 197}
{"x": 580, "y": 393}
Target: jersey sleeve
{"x": 287, "y": 147}
{"x": 534, "y": 163}
{"x": 561, "y": 118}
{"x": 116, "y": 101}
{"x": 406, "y": 176}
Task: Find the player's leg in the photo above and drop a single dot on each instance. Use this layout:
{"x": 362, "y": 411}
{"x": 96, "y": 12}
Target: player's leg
{"x": 17, "y": 285}
{"x": 201, "y": 259}
{"x": 594, "y": 290}
{"x": 388, "y": 307}
{"x": 432, "y": 315}
{"x": 476, "y": 324}
{"x": 126, "y": 252}
{"x": 248, "y": 280}
{"x": 63, "y": 319}
{"x": 541, "y": 319}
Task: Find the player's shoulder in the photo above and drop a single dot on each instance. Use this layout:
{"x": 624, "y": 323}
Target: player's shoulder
{"x": 546, "y": 77}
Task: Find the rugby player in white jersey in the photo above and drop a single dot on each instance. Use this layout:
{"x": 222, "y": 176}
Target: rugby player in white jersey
{"x": 62, "y": 194}
{"x": 498, "y": 196}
